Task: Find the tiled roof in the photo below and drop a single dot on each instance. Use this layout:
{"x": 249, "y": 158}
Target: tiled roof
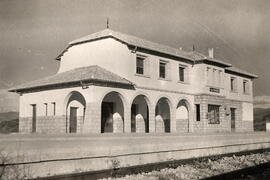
{"x": 142, "y": 43}
{"x": 89, "y": 73}
{"x": 202, "y": 57}
{"x": 240, "y": 71}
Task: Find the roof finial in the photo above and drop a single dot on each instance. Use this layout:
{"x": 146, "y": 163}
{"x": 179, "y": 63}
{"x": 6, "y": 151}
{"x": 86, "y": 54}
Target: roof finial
{"x": 108, "y": 23}
{"x": 193, "y": 47}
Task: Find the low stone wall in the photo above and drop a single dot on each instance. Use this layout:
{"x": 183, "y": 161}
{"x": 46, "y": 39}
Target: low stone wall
{"x": 52, "y": 155}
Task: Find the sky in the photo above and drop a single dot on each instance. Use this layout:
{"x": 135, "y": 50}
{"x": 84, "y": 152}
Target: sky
{"x": 34, "y": 32}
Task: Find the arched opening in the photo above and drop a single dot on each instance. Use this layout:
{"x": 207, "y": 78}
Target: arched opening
{"x": 182, "y": 116}
{"x": 162, "y": 114}
{"x": 75, "y": 112}
{"x": 112, "y": 113}
{"x": 140, "y": 114}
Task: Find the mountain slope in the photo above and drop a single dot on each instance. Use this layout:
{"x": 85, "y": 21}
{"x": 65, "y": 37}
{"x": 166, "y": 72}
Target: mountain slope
{"x": 261, "y": 117}
{"x": 9, "y": 122}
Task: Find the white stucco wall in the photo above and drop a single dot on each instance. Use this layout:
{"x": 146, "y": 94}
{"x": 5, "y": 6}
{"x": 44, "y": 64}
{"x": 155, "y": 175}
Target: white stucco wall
{"x": 59, "y": 96}
{"x": 238, "y": 94}
{"x": 247, "y": 111}
{"x": 114, "y": 55}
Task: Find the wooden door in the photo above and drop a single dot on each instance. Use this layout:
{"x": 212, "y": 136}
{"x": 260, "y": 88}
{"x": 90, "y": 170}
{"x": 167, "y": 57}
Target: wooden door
{"x": 34, "y": 118}
{"x": 233, "y": 119}
{"x": 73, "y": 120}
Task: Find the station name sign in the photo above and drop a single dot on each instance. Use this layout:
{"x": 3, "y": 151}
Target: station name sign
{"x": 215, "y": 90}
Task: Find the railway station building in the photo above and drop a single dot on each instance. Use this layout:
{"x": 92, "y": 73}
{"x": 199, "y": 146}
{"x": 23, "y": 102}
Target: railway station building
{"x": 111, "y": 82}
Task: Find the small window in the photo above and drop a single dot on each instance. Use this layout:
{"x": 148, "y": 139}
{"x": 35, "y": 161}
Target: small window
{"x": 233, "y": 84}
{"x": 46, "y": 109}
{"x": 162, "y": 69}
{"x": 54, "y": 108}
{"x": 181, "y": 73}
{"x": 140, "y": 60}
{"x": 245, "y": 87}
{"x": 198, "y": 112}
{"x": 213, "y": 114}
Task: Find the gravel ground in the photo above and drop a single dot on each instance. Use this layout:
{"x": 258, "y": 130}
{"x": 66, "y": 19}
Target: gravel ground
{"x": 203, "y": 168}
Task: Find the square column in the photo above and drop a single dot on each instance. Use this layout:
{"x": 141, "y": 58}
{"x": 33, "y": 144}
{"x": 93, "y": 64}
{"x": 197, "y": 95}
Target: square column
{"x": 152, "y": 120}
{"x": 92, "y": 119}
{"x": 127, "y": 120}
{"x": 173, "y": 120}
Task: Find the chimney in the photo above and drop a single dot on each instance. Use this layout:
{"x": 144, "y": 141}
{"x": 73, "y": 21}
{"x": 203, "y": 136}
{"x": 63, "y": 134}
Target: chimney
{"x": 211, "y": 52}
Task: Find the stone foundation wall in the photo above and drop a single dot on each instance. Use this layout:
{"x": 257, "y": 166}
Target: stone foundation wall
{"x": 203, "y": 124}
{"x": 48, "y": 124}
{"x": 245, "y": 126}
{"x": 80, "y": 122}
{"x": 140, "y": 124}
{"x": 25, "y": 124}
{"x": 225, "y": 115}
{"x": 51, "y": 124}
{"x": 92, "y": 118}
{"x": 181, "y": 125}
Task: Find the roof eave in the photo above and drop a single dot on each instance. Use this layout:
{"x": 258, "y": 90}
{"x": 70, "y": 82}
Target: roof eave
{"x": 79, "y": 83}
{"x": 122, "y": 41}
{"x": 253, "y": 76}
{"x": 215, "y": 61}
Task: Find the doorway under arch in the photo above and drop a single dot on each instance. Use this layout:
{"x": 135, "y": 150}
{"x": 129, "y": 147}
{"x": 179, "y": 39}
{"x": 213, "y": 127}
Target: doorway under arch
{"x": 140, "y": 114}
{"x": 75, "y": 112}
{"x": 112, "y": 113}
{"x": 182, "y": 116}
{"x": 163, "y": 115}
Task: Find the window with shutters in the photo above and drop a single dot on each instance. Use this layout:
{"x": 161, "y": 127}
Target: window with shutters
{"x": 233, "y": 84}
{"x": 245, "y": 87}
{"x": 182, "y": 70}
{"x": 162, "y": 69}
{"x": 140, "y": 63}
{"x": 213, "y": 114}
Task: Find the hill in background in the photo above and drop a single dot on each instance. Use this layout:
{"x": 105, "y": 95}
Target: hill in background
{"x": 9, "y": 107}
{"x": 261, "y": 112}
{"x": 9, "y": 122}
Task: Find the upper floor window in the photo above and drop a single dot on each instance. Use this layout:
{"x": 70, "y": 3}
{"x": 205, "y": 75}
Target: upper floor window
{"x": 140, "y": 61}
{"x": 245, "y": 87}
{"x": 162, "y": 69}
{"x": 213, "y": 114}
{"x": 233, "y": 84}
{"x": 182, "y": 73}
